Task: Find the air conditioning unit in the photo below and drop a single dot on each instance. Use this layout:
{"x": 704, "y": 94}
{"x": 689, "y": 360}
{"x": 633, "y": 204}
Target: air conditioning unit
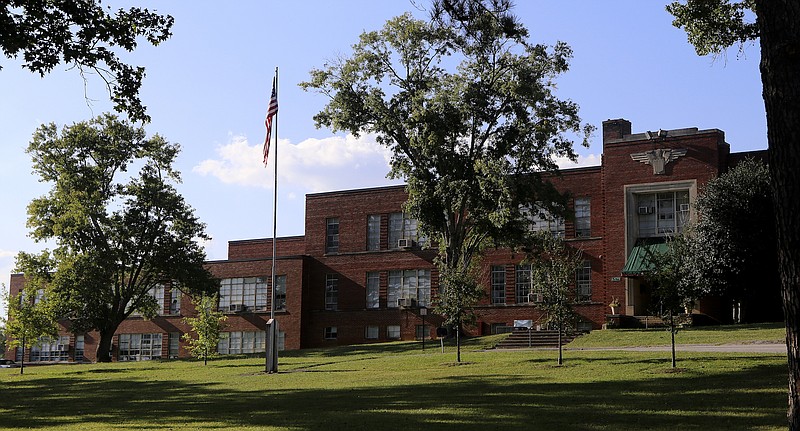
{"x": 406, "y": 302}
{"x": 404, "y": 243}
{"x": 684, "y": 208}
{"x": 535, "y": 297}
{"x": 237, "y": 308}
{"x": 645, "y": 210}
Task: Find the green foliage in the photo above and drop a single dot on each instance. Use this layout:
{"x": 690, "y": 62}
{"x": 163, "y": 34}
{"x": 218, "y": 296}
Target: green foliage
{"x": 672, "y": 277}
{"x": 207, "y": 326}
{"x": 118, "y": 233}
{"x": 553, "y": 266}
{"x": 31, "y": 316}
{"x": 467, "y": 107}
{"x": 714, "y": 25}
{"x": 85, "y": 36}
{"x": 734, "y": 239}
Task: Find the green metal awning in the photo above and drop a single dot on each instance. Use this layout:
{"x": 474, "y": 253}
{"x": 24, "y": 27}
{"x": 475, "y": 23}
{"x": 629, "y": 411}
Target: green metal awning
{"x": 638, "y": 261}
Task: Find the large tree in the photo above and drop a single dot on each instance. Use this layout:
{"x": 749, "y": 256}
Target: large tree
{"x": 83, "y": 35}
{"x": 713, "y": 26}
{"x": 119, "y": 234}
{"x": 734, "y": 241}
{"x": 468, "y": 109}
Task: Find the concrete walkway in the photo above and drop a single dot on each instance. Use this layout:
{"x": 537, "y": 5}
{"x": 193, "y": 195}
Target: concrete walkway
{"x": 777, "y": 348}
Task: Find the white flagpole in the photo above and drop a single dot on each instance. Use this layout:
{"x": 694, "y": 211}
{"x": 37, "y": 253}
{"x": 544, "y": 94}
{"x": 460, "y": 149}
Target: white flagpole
{"x": 272, "y": 327}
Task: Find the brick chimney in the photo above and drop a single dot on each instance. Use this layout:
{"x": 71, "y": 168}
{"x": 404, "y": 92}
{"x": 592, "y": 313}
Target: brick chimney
{"x": 616, "y": 129}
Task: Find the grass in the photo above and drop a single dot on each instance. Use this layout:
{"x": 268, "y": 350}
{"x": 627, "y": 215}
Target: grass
{"x": 727, "y": 334}
{"x": 397, "y": 386}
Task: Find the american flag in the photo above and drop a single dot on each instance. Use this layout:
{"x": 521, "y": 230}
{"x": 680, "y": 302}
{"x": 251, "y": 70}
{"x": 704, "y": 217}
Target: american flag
{"x": 271, "y": 112}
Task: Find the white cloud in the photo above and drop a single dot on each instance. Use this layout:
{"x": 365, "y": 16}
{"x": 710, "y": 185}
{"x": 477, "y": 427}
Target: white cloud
{"x": 313, "y": 165}
{"x": 7, "y": 253}
{"x": 583, "y": 161}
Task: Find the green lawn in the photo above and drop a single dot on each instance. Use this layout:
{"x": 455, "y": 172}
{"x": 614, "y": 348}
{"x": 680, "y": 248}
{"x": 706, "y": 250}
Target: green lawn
{"x": 727, "y": 334}
{"x": 397, "y": 386}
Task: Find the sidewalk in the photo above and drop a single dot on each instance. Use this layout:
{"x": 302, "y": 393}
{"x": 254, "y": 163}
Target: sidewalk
{"x": 777, "y": 348}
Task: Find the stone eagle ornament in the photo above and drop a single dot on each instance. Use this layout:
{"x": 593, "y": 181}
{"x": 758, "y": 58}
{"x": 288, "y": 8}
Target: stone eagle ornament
{"x": 659, "y": 158}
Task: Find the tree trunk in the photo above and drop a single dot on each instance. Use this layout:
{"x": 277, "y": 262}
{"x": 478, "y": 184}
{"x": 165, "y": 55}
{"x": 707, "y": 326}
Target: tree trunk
{"x": 779, "y": 25}
{"x": 104, "y": 346}
{"x": 672, "y": 335}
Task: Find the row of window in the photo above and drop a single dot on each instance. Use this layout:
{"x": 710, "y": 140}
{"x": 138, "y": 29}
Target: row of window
{"x": 523, "y": 286}
{"x": 372, "y": 332}
{"x": 662, "y": 213}
{"x": 409, "y": 286}
{"x": 245, "y": 342}
{"x": 404, "y": 231}
{"x": 251, "y": 293}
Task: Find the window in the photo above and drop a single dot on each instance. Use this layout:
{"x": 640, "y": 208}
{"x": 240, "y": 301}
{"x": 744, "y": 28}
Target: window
{"x": 175, "y": 301}
{"x": 403, "y": 232}
{"x": 238, "y": 294}
{"x": 583, "y": 282}
{"x": 542, "y": 221}
{"x": 174, "y": 344}
{"x": 371, "y": 332}
{"x": 157, "y": 293}
{"x": 583, "y": 222}
{"x": 498, "y": 284}
{"x": 409, "y": 284}
{"x": 139, "y": 347}
{"x": 280, "y": 292}
{"x": 523, "y": 285}
{"x": 244, "y": 342}
{"x": 51, "y": 349}
{"x": 393, "y": 332}
{"x": 422, "y": 331}
{"x": 332, "y": 235}
{"x": 281, "y": 341}
{"x": 663, "y": 213}
{"x": 331, "y": 333}
{"x": 374, "y": 232}
{"x": 79, "y": 348}
{"x": 373, "y": 289}
{"x": 331, "y": 292}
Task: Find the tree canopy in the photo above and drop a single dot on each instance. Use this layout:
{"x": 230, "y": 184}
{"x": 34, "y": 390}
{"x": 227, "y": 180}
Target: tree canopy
{"x": 713, "y": 25}
{"x": 734, "y": 239}
{"x": 118, "y": 234}
{"x": 83, "y": 35}
{"x": 469, "y": 111}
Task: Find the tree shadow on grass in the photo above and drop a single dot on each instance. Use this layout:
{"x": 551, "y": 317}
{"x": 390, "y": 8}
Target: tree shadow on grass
{"x": 745, "y": 399}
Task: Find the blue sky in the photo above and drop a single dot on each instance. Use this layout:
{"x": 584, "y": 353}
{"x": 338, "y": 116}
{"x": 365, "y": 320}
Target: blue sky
{"x": 207, "y": 88}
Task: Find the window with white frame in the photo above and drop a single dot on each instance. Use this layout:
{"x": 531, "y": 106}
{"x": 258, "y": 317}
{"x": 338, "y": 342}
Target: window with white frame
{"x": 393, "y": 332}
{"x": 331, "y": 333}
{"x": 48, "y": 349}
{"x": 158, "y": 292}
{"x": 542, "y": 221}
{"x": 662, "y": 213}
{"x": 374, "y": 232}
{"x": 498, "y": 284}
{"x": 331, "y": 292}
{"x": 241, "y": 342}
{"x": 583, "y": 281}
{"x": 139, "y": 347}
{"x": 403, "y": 232}
{"x": 373, "y": 289}
{"x": 79, "y": 348}
{"x": 371, "y": 332}
{"x": 583, "y": 217}
{"x": 523, "y": 283}
{"x": 280, "y": 292}
{"x": 332, "y": 235}
{"x": 175, "y": 301}
{"x": 243, "y": 293}
{"x": 174, "y": 344}
{"x": 412, "y": 284}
